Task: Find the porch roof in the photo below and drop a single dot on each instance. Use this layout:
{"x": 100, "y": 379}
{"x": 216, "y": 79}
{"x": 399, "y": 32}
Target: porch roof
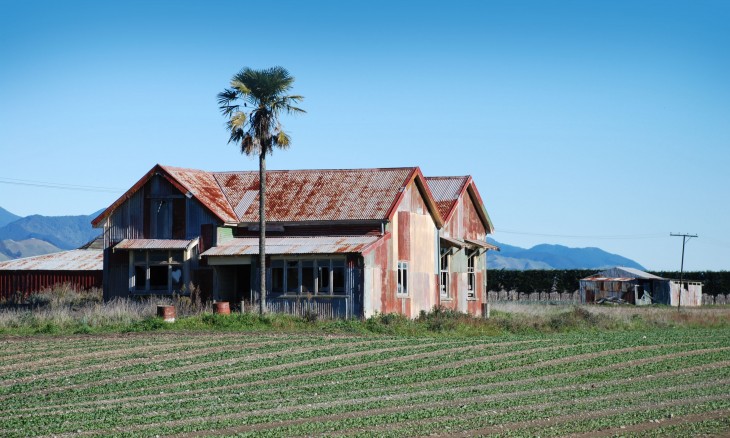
{"x": 154, "y": 244}
{"x": 293, "y": 245}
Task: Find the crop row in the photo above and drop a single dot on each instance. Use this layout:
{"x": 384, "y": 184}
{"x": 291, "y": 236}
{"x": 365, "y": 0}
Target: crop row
{"x": 216, "y": 406}
{"x": 372, "y": 386}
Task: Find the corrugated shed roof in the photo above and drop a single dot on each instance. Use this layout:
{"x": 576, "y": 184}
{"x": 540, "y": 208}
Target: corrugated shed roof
{"x": 153, "y": 244}
{"x": 74, "y": 260}
{"x": 446, "y": 191}
{"x": 622, "y": 273}
{"x": 315, "y": 195}
{"x": 294, "y": 245}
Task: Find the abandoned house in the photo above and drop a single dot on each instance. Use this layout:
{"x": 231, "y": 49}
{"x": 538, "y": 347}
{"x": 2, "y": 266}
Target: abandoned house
{"x": 349, "y": 243}
{"x": 638, "y": 287}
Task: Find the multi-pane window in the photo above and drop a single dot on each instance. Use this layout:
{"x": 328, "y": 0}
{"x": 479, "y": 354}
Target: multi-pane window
{"x": 402, "y": 278}
{"x": 308, "y": 276}
{"x": 444, "y": 279}
{"x": 157, "y": 270}
{"x": 471, "y": 274}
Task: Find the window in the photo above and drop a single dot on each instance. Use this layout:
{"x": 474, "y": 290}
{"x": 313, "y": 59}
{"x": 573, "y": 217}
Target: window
{"x": 157, "y": 271}
{"x": 402, "y": 278}
{"x": 444, "y": 279}
{"x": 308, "y": 276}
{"x": 338, "y": 276}
{"x": 323, "y": 276}
{"x": 277, "y": 276}
{"x": 292, "y": 276}
{"x": 471, "y": 275}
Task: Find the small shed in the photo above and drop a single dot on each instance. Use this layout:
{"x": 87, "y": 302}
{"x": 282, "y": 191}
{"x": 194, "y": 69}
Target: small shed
{"x": 81, "y": 268}
{"x": 638, "y": 287}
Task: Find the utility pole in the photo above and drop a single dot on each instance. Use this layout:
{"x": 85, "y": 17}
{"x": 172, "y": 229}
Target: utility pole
{"x": 685, "y": 238}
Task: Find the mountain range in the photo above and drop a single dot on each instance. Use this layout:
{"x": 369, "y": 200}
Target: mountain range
{"x": 546, "y": 256}
{"x": 36, "y": 235}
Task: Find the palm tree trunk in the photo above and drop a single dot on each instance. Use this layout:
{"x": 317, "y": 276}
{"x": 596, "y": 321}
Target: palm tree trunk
{"x": 262, "y": 231}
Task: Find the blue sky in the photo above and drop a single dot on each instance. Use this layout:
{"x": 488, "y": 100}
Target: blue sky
{"x": 601, "y": 123}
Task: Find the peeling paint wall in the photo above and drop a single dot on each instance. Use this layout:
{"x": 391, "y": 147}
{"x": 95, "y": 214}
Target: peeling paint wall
{"x": 465, "y": 223}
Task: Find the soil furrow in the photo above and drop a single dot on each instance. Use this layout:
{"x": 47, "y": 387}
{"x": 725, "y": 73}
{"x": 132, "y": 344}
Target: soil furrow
{"x": 531, "y": 407}
{"x": 118, "y": 400}
{"x": 585, "y": 415}
{"x": 399, "y": 408}
{"x": 377, "y": 411}
{"x": 656, "y": 424}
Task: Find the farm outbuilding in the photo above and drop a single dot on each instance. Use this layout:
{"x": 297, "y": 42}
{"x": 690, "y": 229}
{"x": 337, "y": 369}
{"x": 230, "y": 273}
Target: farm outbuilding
{"x": 638, "y": 287}
{"x": 343, "y": 242}
{"x": 81, "y": 269}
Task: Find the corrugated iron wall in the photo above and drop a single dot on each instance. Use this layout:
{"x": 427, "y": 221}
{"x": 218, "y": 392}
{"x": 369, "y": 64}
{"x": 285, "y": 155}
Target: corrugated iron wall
{"x": 27, "y": 282}
{"x": 127, "y": 221}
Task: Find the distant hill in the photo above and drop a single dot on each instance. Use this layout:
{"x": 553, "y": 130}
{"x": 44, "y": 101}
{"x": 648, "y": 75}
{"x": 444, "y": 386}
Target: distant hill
{"x": 6, "y": 217}
{"x": 10, "y": 249}
{"x": 554, "y": 257}
{"x": 64, "y": 232}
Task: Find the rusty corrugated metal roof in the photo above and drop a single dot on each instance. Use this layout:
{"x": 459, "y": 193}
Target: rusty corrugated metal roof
{"x": 153, "y": 244}
{"x": 74, "y": 260}
{"x": 315, "y": 195}
{"x": 294, "y": 245}
{"x": 204, "y": 187}
{"x": 446, "y": 191}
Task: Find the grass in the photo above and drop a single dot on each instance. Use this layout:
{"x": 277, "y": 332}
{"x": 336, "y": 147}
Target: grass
{"x": 63, "y": 311}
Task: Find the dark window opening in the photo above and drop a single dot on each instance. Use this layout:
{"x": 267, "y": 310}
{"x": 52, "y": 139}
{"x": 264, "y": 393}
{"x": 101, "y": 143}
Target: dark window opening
{"x": 292, "y": 276}
{"x": 277, "y": 277}
{"x": 140, "y": 277}
{"x": 307, "y": 277}
{"x": 323, "y": 276}
{"x": 158, "y": 277}
{"x": 338, "y": 277}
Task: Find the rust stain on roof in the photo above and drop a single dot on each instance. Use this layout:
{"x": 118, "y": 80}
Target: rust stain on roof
{"x": 314, "y": 195}
{"x": 74, "y": 260}
{"x": 204, "y": 187}
{"x": 446, "y": 191}
{"x": 294, "y": 245}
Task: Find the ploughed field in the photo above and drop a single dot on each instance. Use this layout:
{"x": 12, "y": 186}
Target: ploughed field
{"x": 673, "y": 382}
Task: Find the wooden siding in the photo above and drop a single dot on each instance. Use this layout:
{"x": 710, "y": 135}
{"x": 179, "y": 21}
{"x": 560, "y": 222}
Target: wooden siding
{"x": 134, "y": 220}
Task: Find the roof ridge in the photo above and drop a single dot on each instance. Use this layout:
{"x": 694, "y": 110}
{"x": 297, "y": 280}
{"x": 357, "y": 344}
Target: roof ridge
{"x": 314, "y": 170}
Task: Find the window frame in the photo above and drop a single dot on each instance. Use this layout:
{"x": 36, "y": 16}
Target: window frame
{"x": 471, "y": 280}
{"x": 445, "y": 273}
{"x": 402, "y": 279}
{"x": 175, "y": 260}
{"x": 331, "y": 264}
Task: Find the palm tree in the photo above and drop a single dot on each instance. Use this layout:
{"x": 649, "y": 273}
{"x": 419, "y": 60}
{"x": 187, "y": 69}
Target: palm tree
{"x": 256, "y": 128}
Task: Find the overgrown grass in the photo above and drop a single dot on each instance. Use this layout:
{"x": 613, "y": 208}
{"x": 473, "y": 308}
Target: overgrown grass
{"x": 65, "y": 311}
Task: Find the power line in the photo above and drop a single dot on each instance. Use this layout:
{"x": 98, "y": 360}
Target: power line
{"x": 62, "y": 186}
{"x": 571, "y": 236}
